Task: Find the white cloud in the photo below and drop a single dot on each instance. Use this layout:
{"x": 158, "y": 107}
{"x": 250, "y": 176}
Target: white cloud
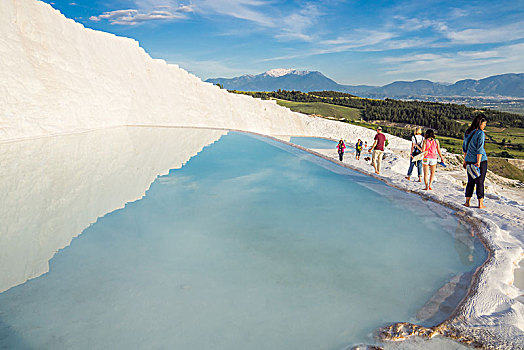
{"x": 407, "y": 25}
{"x": 513, "y": 31}
{"x": 479, "y": 54}
{"x": 359, "y": 38}
{"x": 459, "y": 65}
{"x": 267, "y": 15}
{"x": 185, "y": 8}
{"x": 412, "y": 24}
{"x": 261, "y": 16}
{"x": 242, "y": 9}
{"x": 469, "y": 34}
{"x": 458, "y": 12}
{"x": 297, "y": 24}
{"x": 134, "y": 16}
{"x": 412, "y": 58}
{"x": 286, "y": 57}
{"x": 407, "y": 43}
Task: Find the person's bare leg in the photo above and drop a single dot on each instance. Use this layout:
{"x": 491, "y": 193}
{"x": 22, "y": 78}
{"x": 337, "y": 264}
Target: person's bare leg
{"x": 425, "y": 168}
{"x": 467, "y": 204}
{"x": 374, "y": 161}
{"x": 432, "y": 175}
{"x": 481, "y": 203}
{"x": 379, "y": 162}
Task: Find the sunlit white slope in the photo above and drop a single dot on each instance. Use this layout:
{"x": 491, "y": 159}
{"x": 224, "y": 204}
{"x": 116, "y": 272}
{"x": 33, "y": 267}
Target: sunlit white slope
{"x": 57, "y": 77}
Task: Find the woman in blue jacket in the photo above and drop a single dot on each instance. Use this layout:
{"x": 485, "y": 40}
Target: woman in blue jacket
{"x": 474, "y": 154}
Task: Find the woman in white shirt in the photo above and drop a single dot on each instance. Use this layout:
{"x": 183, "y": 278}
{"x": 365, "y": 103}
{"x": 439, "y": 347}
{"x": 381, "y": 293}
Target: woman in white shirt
{"x": 416, "y": 148}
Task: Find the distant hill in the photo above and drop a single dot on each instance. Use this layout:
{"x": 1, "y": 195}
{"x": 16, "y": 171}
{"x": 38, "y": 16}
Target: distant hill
{"x": 409, "y": 88}
{"x": 287, "y": 79}
{"x": 504, "y": 85}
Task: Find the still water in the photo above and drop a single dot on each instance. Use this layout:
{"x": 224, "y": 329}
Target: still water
{"x": 314, "y": 142}
{"x": 251, "y": 244}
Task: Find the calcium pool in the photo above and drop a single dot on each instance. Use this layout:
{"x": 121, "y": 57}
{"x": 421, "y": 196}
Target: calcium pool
{"x": 250, "y": 244}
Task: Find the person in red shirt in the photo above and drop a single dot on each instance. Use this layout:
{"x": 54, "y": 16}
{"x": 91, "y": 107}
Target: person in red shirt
{"x": 378, "y": 150}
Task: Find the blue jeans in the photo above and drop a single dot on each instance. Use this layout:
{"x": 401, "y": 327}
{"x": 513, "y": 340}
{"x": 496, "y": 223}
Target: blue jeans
{"x": 419, "y": 167}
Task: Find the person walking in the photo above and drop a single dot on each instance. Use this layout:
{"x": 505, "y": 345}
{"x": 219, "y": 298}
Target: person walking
{"x": 341, "y": 147}
{"x": 378, "y": 150}
{"x": 416, "y": 148}
{"x": 431, "y": 146}
{"x": 475, "y": 159}
{"x": 358, "y": 149}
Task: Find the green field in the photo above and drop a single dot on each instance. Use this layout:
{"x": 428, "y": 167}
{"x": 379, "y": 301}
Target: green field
{"x": 502, "y": 167}
{"x": 495, "y": 147}
{"x": 500, "y": 142}
{"x": 508, "y": 136}
{"x": 323, "y": 109}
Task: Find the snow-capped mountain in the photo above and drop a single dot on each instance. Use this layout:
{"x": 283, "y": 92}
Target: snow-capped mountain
{"x": 280, "y": 72}
{"x": 510, "y": 85}
{"x": 286, "y": 79}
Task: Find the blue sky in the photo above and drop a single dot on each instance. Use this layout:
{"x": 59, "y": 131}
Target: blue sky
{"x": 352, "y": 42}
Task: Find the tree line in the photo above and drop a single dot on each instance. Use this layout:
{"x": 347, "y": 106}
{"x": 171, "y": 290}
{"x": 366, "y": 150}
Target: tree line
{"x": 442, "y": 117}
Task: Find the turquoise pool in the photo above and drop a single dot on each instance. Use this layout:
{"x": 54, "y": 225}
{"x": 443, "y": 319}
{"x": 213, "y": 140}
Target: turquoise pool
{"x": 252, "y": 244}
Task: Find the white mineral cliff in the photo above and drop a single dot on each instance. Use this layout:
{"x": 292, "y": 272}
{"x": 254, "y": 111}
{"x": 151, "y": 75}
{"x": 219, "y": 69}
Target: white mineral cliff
{"x": 57, "y": 77}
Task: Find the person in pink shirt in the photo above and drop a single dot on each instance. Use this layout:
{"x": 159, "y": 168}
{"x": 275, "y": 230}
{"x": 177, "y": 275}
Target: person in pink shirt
{"x": 341, "y": 147}
{"x": 378, "y": 150}
{"x": 431, "y": 147}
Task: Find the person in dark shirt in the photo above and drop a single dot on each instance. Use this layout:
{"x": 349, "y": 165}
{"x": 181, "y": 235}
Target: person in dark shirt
{"x": 378, "y": 150}
{"x": 358, "y": 149}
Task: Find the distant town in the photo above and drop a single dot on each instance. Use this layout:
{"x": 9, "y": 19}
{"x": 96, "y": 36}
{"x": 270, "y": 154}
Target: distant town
{"x": 511, "y": 104}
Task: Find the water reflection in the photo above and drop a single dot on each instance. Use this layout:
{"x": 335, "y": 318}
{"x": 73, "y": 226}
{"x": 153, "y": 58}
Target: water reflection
{"x": 244, "y": 240}
{"x": 53, "y": 188}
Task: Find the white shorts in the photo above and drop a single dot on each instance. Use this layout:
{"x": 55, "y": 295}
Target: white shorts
{"x": 429, "y": 161}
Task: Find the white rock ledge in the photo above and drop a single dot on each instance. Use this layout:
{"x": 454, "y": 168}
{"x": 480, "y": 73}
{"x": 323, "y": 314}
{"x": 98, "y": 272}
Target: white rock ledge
{"x": 57, "y": 77}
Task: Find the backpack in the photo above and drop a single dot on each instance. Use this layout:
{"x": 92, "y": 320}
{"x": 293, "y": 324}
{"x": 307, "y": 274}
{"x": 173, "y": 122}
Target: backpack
{"x": 416, "y": 151}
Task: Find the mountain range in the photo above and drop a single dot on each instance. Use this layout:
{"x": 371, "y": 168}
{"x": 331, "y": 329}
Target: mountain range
{"x": 503, "y": 85}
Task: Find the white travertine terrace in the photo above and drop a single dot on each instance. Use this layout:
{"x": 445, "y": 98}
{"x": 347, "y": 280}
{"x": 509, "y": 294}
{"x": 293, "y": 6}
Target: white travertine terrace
{"x": 57, "y": 77}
